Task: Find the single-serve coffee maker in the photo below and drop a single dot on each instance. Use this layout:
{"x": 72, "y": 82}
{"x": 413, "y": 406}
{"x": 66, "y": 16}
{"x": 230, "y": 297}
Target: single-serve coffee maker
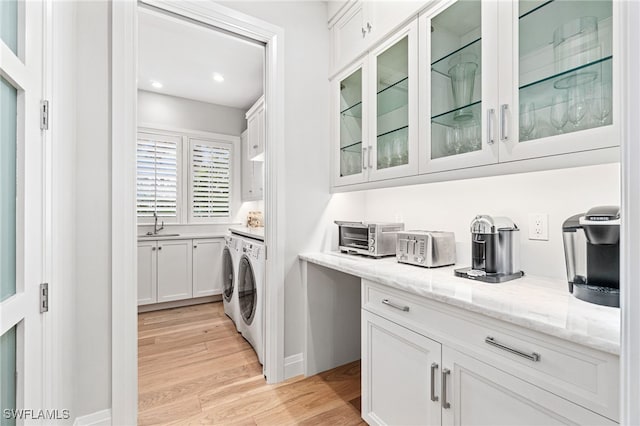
{"x": 495, "y": 250}
{"x": 592, "y": 255}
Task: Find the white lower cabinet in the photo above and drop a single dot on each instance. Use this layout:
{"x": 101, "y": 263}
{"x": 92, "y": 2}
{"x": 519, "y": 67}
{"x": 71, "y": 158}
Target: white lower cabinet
{"x": 147, "y": 272}
{"x": 207, "y": 272}
{"x": 174, "y": 270}
{"x": 398, "y": 380}
{"x": 424, "y": 363}
{"x": 170, "y": 270}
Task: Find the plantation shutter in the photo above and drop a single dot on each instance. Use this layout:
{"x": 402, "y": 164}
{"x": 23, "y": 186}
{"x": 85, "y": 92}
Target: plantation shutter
{"x": 210, "y": 180}
{"x": 157, "y": 175}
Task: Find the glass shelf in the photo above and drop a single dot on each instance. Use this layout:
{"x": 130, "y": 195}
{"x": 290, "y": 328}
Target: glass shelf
{"x": 473, "y": 49}
{"x": 452, "y": 118}
{"x": 393, "y": 97}
{"x": 353, "y": 110}
{"x": 541, "y": 92}
{"x": 354, "y": 147}
{"x": 392, "y": 131}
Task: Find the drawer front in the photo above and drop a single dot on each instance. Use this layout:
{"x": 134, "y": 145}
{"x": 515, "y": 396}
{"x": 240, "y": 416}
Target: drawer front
{"x": 584, "y": 376}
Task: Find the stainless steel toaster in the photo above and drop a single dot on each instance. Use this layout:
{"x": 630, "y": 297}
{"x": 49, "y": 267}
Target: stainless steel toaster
{"x": 426, "y": 248}
{"x": 373, "y": 239}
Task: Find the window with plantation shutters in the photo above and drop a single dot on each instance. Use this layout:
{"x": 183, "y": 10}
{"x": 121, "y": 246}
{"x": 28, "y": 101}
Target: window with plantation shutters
{"x": 210, "y": 178}
{"x": 158, "y": 177}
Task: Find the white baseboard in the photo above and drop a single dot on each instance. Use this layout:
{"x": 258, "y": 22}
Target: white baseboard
{"x": 293, "y": 366}
{"x": 99, "y": 418}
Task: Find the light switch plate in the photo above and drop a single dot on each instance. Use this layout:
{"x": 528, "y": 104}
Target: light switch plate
{"x": 539, "y": 226}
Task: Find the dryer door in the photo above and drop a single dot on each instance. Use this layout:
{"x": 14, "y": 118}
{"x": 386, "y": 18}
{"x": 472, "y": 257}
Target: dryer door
{"x": 227, "y": 273}
{"x": 247, "y": 295}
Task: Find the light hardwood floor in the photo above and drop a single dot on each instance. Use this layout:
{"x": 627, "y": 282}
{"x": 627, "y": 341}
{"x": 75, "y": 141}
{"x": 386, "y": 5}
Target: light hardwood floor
{"x": 194, "y": 368}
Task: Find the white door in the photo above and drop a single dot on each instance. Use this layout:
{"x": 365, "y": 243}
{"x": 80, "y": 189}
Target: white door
{"x": 458, "y": 91}
{"x": 400, "y": 372}
{"x": 560, "y": 74}
{"x": 22, "y": 220}
{"x": 479, "y": 394}
{"x": 147, "y": 272}
{"x": 174, "y": 270}
{"x": 207, "y": 267}
{"x": 393, "y": 109}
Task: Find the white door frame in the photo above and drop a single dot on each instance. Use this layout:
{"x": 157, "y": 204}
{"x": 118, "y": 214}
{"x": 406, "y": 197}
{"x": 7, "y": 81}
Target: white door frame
{"x": 124, "y": 386}
{"x": 630, "y": 228}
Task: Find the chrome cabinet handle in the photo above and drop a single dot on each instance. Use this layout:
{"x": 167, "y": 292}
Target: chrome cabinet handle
{"x": 393, "y": 305}
{"x": 445, "y": 403}
{"x": 434, "y": 367}
{"x": 535, "y": 357}
{"x": 364, "y": 32}
{"x": 369, "y": 156}
{"x": 369, "y": 27}
{"x": 504, "y": 131}
{"x": 364, "y": 156}
{"x": 490, "y": 113}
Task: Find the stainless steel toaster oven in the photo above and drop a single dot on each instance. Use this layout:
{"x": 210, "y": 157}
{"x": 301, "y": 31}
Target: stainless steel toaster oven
{"x": 370, "y": 239}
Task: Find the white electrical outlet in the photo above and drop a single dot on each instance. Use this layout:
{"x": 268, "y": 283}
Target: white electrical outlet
{"x": 539, "y": 226}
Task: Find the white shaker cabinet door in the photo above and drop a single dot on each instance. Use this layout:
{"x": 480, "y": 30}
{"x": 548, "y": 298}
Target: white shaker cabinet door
{"x": 478, "y": 394}
{"x": 400, "y": 374}
{"x": 207, "y": 267}
{"x": 174, "y": 270}
{"x": 147, "y": 272}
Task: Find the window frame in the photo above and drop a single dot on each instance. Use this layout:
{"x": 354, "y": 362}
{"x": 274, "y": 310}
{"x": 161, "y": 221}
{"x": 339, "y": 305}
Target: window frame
{"x": 166, "y": 137}
{"x": 184, "y": 173}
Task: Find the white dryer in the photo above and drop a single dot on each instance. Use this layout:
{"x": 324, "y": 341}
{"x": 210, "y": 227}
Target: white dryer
{"x": 230, "y": 262}
{"x": 251, "y": 294}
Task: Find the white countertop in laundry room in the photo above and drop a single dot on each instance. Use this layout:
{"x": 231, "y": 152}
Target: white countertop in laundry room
{"x": 537, "y": 303}
{"x": 245, "y": 231}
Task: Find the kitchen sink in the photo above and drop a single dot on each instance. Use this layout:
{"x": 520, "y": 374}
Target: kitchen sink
{"x": 158, "y": 235}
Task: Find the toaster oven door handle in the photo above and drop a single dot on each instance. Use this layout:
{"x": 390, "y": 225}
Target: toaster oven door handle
{"x": 394, "y": 305}
{"x": 354, "y": 224}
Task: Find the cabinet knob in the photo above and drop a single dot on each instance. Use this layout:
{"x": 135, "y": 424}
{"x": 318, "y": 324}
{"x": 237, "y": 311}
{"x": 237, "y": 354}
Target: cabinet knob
{"x": 255, "y": 147}
{"x": 153, "y": 249}
{"x": 195, "y": 246}
{"x": 160, "y": 248}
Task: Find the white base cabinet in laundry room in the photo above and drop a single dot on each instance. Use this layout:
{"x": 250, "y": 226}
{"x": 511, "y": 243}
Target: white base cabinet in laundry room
{"x": 147, "y": 272}
{"x": 174, "y": 270}
{"x": 474, "y": 371}
{"x": 207, "y": 274}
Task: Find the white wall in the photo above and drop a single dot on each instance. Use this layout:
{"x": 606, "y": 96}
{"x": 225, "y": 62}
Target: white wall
{"x": 309, "y": 207}
{"x": 92, "y": 351}
{"x": 63, "y": 208}
{"x": 451, "y": 206}
{"x": 189, "y": 114}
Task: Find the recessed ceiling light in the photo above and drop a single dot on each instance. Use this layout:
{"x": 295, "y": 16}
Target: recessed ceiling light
{"x": 156, "y": 84}
{"x": 218, "y": 77}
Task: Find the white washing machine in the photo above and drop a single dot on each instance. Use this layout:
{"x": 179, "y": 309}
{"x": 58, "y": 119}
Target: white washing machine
{"x": 251, "y": 294}
{"x": 230, "y": 262}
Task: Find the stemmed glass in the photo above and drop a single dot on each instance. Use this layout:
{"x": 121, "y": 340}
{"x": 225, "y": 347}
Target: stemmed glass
{"x": 527, "y": 120}
{"x": 559, "y": 115}
{"x": 577, "y": 107}
{"x": 600, "y": 104}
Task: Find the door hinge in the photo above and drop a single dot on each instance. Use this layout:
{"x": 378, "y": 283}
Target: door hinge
{"x": 44, "y": 115}
{"x": 44, "y": 297}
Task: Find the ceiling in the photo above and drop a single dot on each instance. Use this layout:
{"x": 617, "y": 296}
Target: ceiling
{"x": 184, "y": 56}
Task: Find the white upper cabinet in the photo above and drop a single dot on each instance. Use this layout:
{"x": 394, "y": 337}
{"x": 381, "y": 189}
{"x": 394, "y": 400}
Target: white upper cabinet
{"x": 252, "y": 173}
{"x": 256, "y": 131}
{"x": 459, "y": 86}
{"x": 359, "y": 25}
{"x": 559, "y": 75}
{"x": 375, "y": 113}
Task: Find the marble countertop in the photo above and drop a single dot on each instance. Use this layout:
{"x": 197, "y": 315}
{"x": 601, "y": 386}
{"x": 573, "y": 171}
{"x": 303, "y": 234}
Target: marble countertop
{"x": 537, "y": 303}
{"x": 257, "y": 233}
{"x": 191, "y": 236}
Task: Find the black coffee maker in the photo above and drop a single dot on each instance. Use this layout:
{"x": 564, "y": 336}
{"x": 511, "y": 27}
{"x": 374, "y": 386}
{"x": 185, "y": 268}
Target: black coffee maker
{"x": 592, "y": 255}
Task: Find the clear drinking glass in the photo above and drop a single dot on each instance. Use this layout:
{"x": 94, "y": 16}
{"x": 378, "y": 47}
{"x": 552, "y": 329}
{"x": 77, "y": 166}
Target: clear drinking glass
{"x": 575, "y": 43}
{"x": 577, "y": 107}
{"x": 600, "y": 104}
{"x": 559, "y": 115}
{"x": 527, "y": 120}
{"x": 463, "y": 77}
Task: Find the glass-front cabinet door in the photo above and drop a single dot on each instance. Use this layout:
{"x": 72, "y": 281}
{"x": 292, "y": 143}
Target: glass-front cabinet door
{"x": 350, "y": 128}
{"x": 393, "y": 150}
{"x": 459, "y": 78}
{"x": 561, "y": 96}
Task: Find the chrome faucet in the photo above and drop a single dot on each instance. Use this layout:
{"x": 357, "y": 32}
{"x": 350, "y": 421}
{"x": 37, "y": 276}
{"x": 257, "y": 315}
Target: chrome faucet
{"x": 155, "y": 224}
